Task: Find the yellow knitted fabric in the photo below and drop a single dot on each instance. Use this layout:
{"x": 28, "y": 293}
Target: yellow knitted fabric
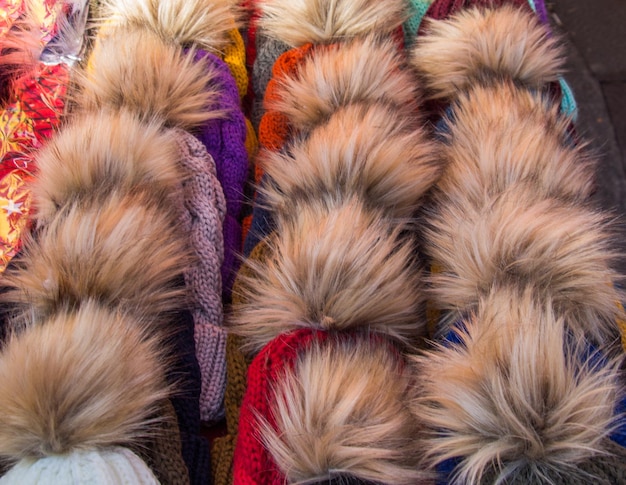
{"x": 235, "y": 57}
{"x": 621, "y": 324}
{"x": 252, "y": 143}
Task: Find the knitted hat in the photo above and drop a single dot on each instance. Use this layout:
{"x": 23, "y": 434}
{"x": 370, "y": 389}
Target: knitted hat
{"x": 417, "y": 10}
{"x": 268, "y": 50}
{"x": 163, "y": 452}
{"x": 204, "y": 212}
{"x": 115, "y": 466}
{"x": 306, "y": 415}
{"x": 224, "y": 139}
{"x": 32, "y": 113}
{"x": 252, "y": 462}
{"x": 274, "y": 126}
{"x": 441, "y": 9}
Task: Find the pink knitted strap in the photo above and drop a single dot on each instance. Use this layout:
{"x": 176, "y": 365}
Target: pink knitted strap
{"x": 203, "y": 216}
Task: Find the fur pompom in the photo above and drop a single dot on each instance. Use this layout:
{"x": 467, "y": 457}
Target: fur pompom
{"x": 84, "y": 379}
{"x": 297, "y": 22}
{"x": 102, "y": 152}
{"x": 483, "y": 45}
{"x": 364, "y": 70}
{"x": 202, "y": 24}
{"x": 537, "y": 151}
{"x": 562, "y": 251}
{"x": 364, "y": 150}
{"x": 341, "y": 412}
{"x": 516, "y": 396}
{"x": 134, "y": 69}
{"x": 333, "y": 268}
{"x": 115, "y": 250}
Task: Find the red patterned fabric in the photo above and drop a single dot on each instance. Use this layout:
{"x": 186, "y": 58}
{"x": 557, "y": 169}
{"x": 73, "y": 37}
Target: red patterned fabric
{"x": 35, "y": 103}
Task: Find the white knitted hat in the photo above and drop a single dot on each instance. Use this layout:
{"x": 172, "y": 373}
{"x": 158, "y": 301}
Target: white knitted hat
{"x": 115, "y": 466}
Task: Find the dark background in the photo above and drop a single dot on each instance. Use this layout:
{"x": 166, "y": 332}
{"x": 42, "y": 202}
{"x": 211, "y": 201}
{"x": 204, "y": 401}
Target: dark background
{"x": 595, "y": 34}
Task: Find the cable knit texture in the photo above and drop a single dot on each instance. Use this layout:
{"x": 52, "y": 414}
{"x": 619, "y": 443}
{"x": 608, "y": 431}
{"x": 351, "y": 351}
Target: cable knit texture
{"x": 225, "y": 140}
{"x": 205, "y": 210}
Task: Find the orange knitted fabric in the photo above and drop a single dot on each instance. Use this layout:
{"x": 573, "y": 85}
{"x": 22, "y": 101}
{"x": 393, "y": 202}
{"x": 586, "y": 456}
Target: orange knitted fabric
{"x": 274, "y": 128}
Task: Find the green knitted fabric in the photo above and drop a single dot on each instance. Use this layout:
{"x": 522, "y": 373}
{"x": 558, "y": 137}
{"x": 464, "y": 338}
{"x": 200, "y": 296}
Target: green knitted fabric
{"x": 417, "y": 9}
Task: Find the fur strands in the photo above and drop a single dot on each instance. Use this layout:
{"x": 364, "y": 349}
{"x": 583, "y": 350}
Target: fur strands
{"x": 382, "y": 158}
{"x": 341, "y": 411}
{"x": 202, "y": 24}
{"x": 334, "y": 268}
{"x": 563, "y": 252}
{"x": 484, "y": 45}
{"x": 515, "y": 395}
{"x": 134, "y": 69}
{"x": 98, "y": 153}
{"x": 84, "y": 379}
{"x": 117, "y": 250}
{"x": 364, "y": 70}
{"x": 502, "y": 135}
{"x": 297, "y": 22}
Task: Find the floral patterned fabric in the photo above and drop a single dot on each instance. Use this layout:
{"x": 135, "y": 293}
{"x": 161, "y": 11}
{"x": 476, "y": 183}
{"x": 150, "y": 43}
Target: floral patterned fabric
{"x": 26, "y": 121}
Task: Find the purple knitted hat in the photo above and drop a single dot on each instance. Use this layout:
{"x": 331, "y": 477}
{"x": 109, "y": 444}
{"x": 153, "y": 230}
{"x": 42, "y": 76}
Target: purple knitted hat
{"x": 224, "y": 139}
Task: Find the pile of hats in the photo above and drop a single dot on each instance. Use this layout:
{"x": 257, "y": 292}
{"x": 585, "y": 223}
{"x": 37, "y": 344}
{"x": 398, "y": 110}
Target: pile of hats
{"x": 335, "y": 299}
{"x": 115, "y": 321}
{"x": 32, "y": 99}
{"x": 525, "y": 383}
{"x": 426, "y": 293}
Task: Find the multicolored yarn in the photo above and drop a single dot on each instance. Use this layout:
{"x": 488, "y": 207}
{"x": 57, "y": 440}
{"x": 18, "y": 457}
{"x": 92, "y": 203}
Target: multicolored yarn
{"x": 32, "y": 111}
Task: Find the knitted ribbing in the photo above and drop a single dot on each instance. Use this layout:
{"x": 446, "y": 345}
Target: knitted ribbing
{"x": 163, "y": 451}
{"x": 205, "y": 210}
{"x": 274, "y": 127}
{"x": 235, "y": 58}
{"x": 417, "y": 9}
{"x": 225, "y": 140}
{"x": 261, "y": 224}
{"x": 268, "y": 50}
